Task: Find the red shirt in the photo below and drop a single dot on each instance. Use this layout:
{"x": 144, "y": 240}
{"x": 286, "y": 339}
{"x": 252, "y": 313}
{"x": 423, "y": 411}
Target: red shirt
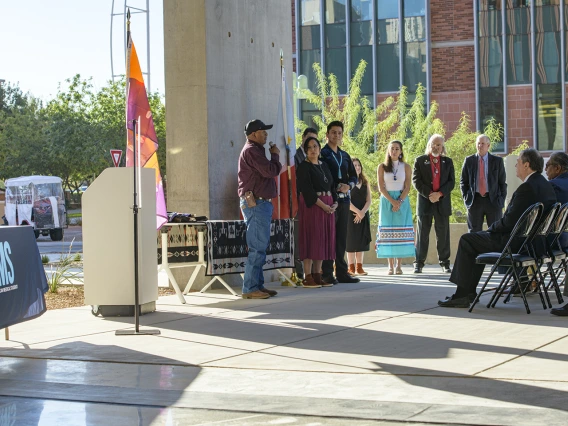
{"x": 256, "y": 172}
{"x": 436, "y": 176}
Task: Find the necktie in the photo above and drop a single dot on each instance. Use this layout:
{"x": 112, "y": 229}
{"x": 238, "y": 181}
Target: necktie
{"x": 481, "y": 184}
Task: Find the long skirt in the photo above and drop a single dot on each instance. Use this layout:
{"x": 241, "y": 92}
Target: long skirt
{"x": 317, "y": 230}
{"x": 395, "y": 233}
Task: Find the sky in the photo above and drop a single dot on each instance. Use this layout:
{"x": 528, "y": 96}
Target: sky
{"x": 45, "y": 42}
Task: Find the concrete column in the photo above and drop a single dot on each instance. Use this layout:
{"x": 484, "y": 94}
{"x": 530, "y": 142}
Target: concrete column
{"x": 222, "y": 69}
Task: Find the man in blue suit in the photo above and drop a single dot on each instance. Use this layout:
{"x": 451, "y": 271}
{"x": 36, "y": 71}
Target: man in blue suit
{"x": 534, "y": 189}
{"x": 483, "y": 186}
{"x": 557, "y": 172}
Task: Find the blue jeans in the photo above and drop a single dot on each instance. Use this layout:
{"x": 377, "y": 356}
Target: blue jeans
{"x": 257, "y": 220}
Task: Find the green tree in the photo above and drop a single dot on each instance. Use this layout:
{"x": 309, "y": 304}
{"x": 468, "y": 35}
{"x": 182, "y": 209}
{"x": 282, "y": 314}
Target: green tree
{"x": 368, "y": 131}
{"x": 72, "y": 134}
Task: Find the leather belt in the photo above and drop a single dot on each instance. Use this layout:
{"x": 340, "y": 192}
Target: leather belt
{"x": 321, "y": 194}
{"x": 259, "y": 198}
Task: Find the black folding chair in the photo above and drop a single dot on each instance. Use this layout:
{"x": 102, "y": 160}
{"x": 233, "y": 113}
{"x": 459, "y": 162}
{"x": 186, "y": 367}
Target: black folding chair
{"x": 516, "y": 263}
{"x": 557, "y": 255}
{"x": 538, "y": 248}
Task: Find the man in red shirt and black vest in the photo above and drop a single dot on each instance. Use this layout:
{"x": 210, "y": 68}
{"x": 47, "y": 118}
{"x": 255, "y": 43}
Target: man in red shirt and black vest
{"x": 434, "y": 179}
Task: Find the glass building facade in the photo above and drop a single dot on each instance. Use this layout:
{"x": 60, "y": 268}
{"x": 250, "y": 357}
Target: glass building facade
{"x": 390, "y": 35}
{"x": 520, "y": 57}
{"x": 527, "y": 37}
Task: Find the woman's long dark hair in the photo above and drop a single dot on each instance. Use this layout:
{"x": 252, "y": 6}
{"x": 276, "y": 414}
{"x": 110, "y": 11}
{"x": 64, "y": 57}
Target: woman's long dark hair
{"x": 388, "y": 161}
{"x": 362, "y": 179}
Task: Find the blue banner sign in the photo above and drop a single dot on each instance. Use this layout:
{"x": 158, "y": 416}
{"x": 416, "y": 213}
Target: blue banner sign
{"x": 22, "y": 278}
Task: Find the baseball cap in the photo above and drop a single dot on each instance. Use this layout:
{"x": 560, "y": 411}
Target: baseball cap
{"x": 255, "y": 125}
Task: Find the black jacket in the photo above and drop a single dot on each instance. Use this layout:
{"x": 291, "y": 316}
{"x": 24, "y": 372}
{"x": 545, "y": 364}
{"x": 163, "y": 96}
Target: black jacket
{"x": 536, "y": 189}
{"x": 495, "y": 180}
{"x": 422, "y": 181}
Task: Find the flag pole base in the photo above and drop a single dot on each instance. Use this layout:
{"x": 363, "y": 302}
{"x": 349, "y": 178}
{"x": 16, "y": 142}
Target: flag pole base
{"x": 150, "y": 332}
{"x": 286, "y": 282}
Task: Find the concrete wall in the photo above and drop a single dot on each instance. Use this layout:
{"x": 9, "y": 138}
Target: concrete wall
{"x": 222, "y": 69}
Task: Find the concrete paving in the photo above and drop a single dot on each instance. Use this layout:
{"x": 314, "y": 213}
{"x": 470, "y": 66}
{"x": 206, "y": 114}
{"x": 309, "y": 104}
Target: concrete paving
{"x": 375, "y": 352}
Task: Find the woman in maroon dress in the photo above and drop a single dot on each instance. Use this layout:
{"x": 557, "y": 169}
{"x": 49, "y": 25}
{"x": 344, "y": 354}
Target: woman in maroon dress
{"x": 316, "y": 204}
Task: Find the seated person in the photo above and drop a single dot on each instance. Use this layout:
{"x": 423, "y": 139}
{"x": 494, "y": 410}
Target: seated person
{"x": 535, "y": 188}
{"x": 557, "y": 172}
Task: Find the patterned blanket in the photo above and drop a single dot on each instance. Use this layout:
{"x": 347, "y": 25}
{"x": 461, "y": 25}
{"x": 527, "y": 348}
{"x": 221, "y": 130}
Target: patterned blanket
{"x": 182, "y": 243}
{"x": 227, "y": 247}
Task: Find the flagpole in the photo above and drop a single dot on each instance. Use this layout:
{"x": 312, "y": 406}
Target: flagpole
{"x": 135, "y": 208}
{"x": 287, "y": 137}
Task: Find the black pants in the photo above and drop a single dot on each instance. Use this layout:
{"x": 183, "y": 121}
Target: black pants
{"x": 466, "y": 273}
{"x": 341, "y": 218}
{"x": 442, "y": 229}
{"x": 480, "y": 209}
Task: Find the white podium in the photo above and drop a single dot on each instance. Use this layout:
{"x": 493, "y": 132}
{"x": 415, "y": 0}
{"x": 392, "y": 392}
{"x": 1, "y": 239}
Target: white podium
{"x": 108, "y": 243}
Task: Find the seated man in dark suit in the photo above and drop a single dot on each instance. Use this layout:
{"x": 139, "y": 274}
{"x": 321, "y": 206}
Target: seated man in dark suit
{"x": 557, "y": 172}
{"x": 535, "y": 188}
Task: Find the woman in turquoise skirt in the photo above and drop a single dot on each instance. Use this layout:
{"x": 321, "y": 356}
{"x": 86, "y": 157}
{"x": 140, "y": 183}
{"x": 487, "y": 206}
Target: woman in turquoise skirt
{"x": 395, "y": 234}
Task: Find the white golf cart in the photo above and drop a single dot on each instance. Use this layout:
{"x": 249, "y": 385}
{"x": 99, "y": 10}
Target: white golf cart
{"x": 37, "y": 201}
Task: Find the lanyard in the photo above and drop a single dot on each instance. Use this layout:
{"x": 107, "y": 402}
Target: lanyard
{"x": 339, "y": 163}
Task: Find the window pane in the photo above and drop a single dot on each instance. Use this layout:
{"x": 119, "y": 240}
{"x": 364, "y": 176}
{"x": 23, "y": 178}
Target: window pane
{"x": 414, "y": 65}
{"x": 415, "y": 28}
{"x": 310, "y": 37}
{"x": 489, "y": 5}
{"x": 491, "y": 107}
{"x": 490, "y": 22}
{"x": 388, "y": 79}
{"x": 336, "y": 63}
{"x": 549, "y": 122}
{"x": 334, "y": 11}
{"x": 414, "y": 8}
{"x": 366, "y": 53}
{"x": 518, "y": 20}
{"x": 547, "y": 18}
{"x": 388, "y": 31}
{"x": 307, "y": 59}
{"x": 310, "y": 12}
{"x": 335, "y": 35}
{"x": 361, "y": 10}
{"x": 518, "y": 59}
{"x": 361, "y": 33}
{"x": 548, "y": 59}
{"x": 387, "y": 9}
{"x": 490, "y": 62}
{"x": 308, "y": 118}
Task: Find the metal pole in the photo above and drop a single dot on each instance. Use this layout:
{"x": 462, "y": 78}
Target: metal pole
{"x": 476, "y": 64}
{"x": 428, "y": 57}
{"x": 148, "y": 44}
{"x": 348, "y": 42}
{"x": 298, "y": 19}
{"x": 135, "y": 216}
{"x": 533, "y": 72}
{"x": 504, "y": 67}
{"x": 400, "y": 43}
{"x": 563, "y": 72}
{"x": 374, "y": 66}
{"x": 111, "y": 24}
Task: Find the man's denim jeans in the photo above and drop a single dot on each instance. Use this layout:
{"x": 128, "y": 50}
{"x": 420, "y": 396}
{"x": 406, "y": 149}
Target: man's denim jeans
{"x": 257, "y": 220}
